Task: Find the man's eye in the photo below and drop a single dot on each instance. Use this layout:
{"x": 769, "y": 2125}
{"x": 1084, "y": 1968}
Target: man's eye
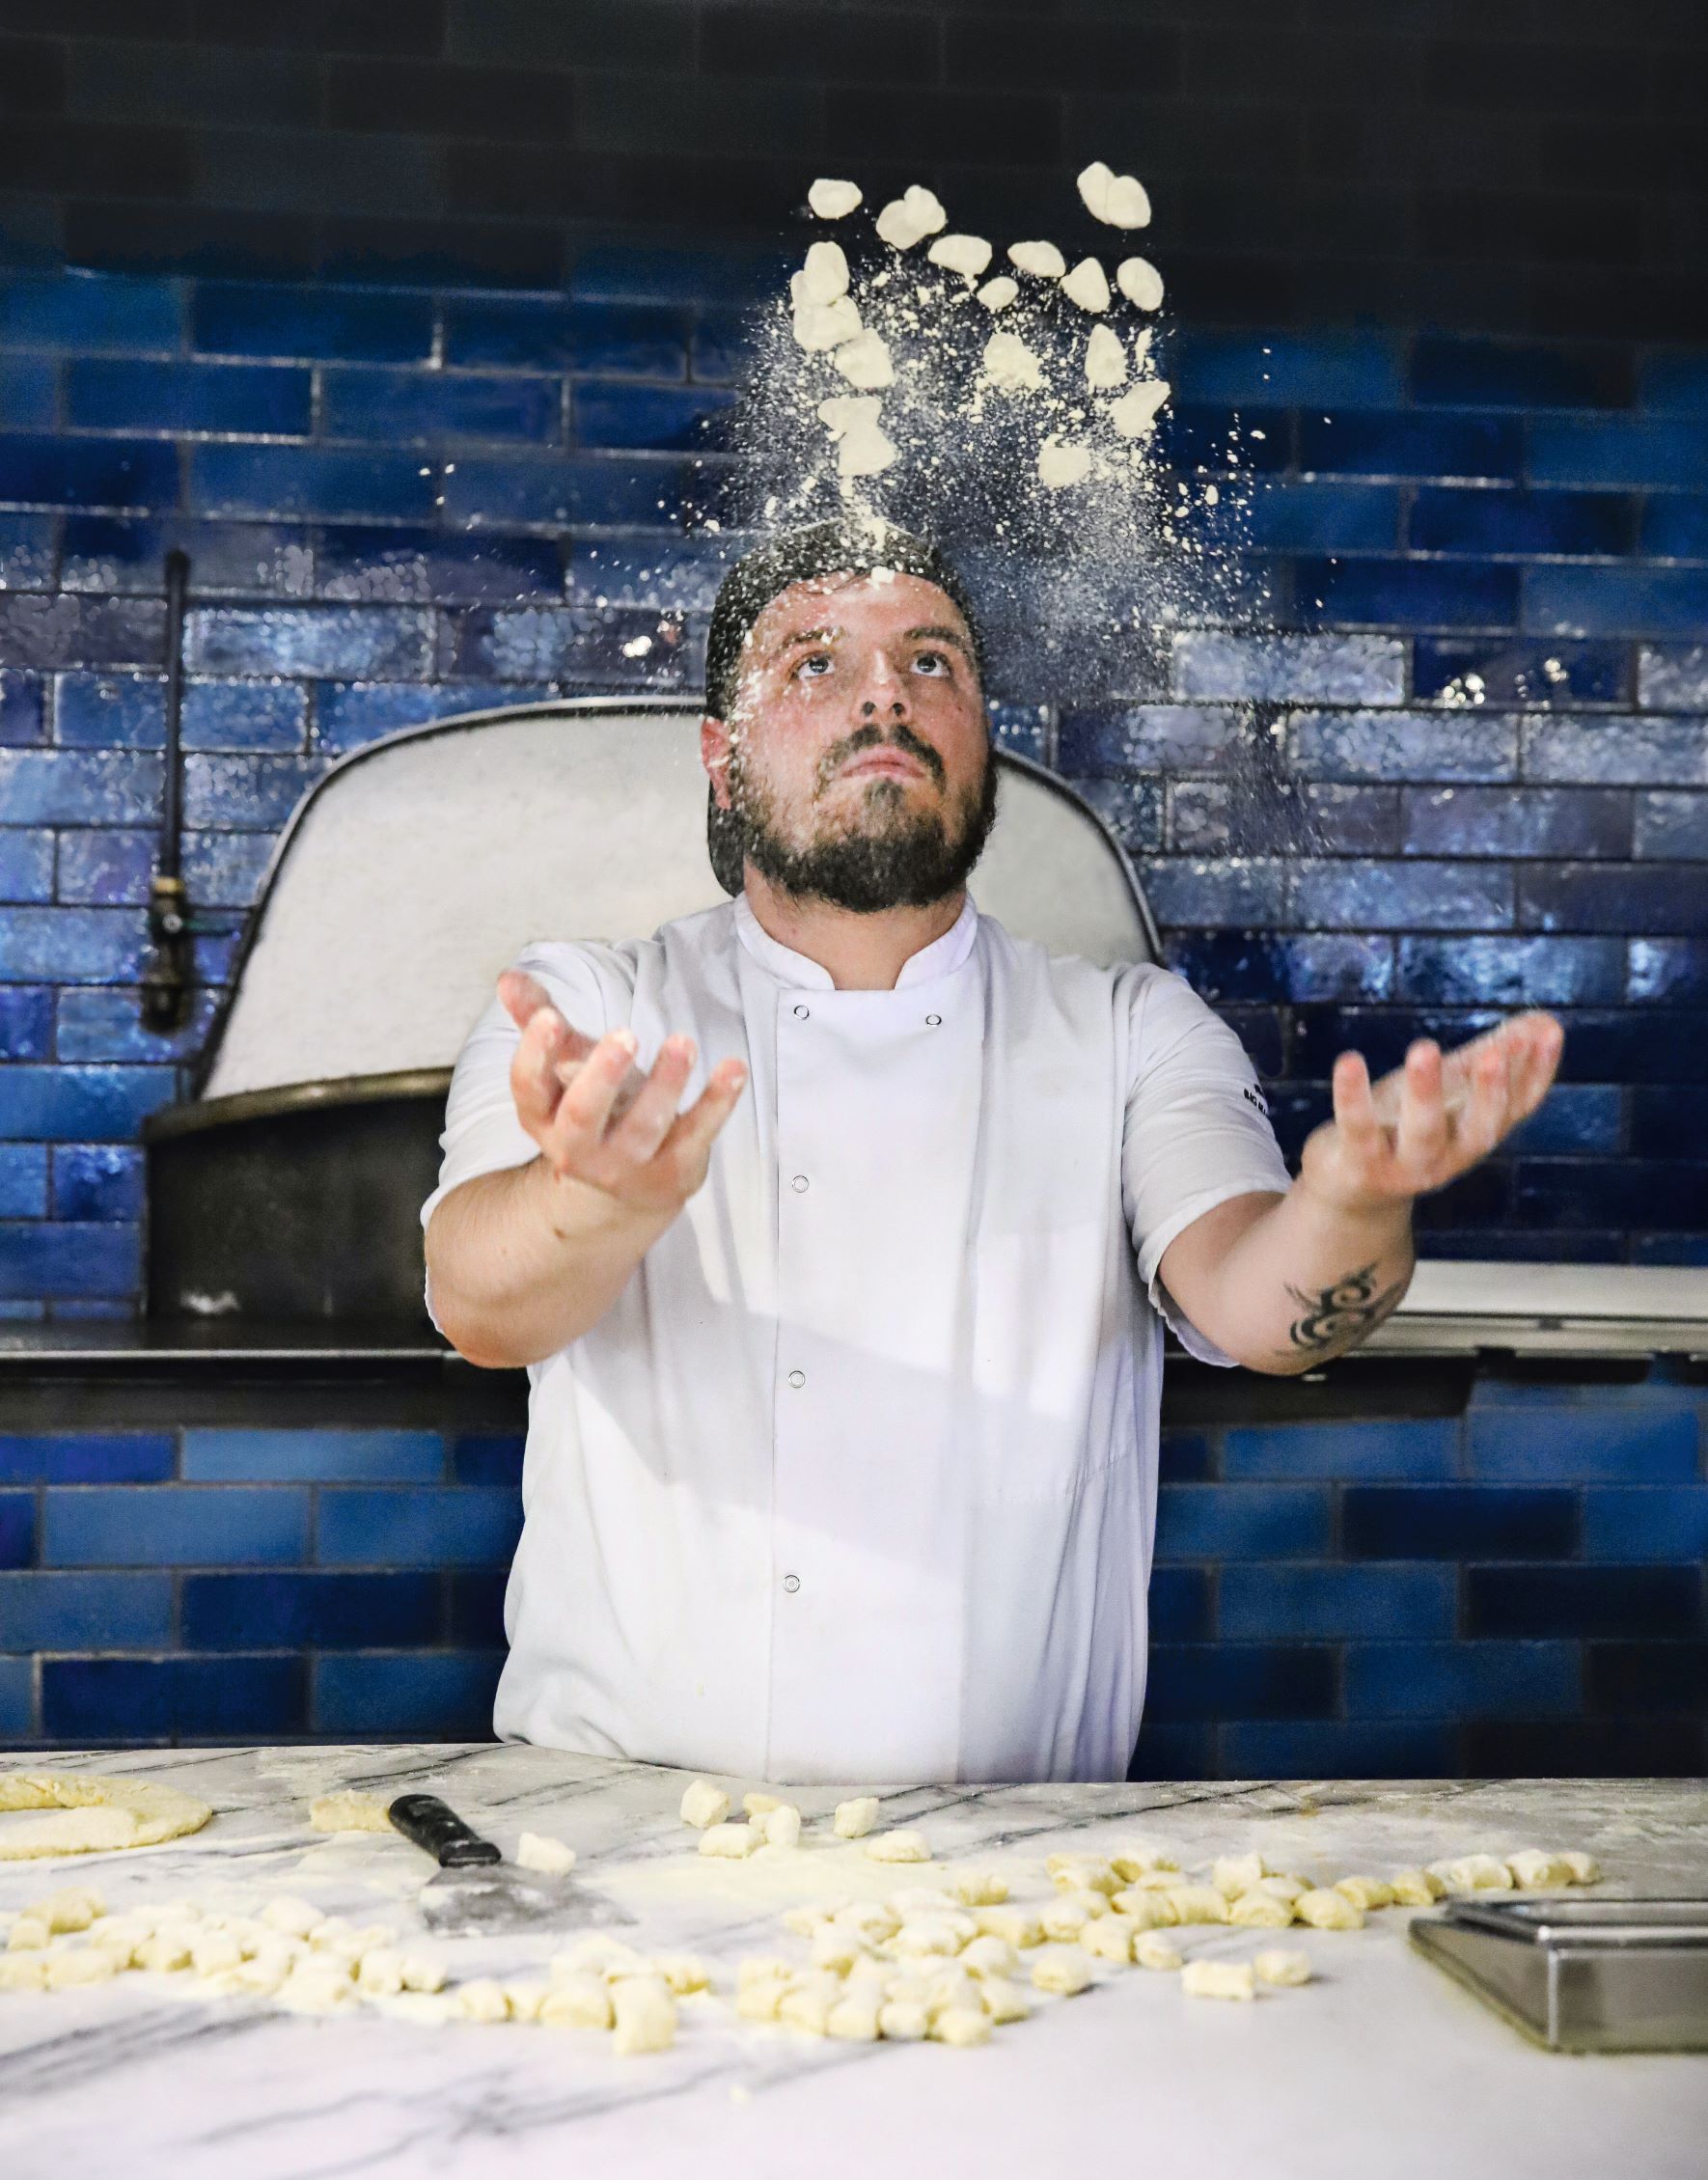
{"x": 931, "y": 662}
{"x": 805, "y": 670}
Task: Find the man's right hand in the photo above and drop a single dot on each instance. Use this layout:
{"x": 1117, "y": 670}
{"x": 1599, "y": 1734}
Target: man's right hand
{"x": 603, "y": 1125}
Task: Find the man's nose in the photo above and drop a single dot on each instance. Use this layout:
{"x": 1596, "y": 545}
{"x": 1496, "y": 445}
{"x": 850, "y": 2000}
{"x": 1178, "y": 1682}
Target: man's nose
{"x": 886, "y": 694}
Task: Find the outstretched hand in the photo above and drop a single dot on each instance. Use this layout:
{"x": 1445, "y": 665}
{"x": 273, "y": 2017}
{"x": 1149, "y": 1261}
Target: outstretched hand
{"x": 602, "y": 1123}
{"x": 1432, "y": 1118}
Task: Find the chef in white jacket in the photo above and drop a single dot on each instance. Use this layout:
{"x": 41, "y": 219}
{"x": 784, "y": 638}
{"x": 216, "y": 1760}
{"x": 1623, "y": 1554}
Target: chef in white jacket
{"x": 836, "y": 1228}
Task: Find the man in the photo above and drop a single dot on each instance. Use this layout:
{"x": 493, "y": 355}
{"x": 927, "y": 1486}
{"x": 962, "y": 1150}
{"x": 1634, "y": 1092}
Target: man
{"x": 840, "y": 1311}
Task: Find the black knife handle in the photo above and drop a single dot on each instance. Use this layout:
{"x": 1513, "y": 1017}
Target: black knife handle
{"x": 434, "y": 1825}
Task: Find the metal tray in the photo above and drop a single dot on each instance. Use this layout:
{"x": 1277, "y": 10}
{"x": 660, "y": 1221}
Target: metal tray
{"x": 1581, "y": 1976}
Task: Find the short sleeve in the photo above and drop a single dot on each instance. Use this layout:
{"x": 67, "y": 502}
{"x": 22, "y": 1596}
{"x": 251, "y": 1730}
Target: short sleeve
{"x": 1196, "y": 1133}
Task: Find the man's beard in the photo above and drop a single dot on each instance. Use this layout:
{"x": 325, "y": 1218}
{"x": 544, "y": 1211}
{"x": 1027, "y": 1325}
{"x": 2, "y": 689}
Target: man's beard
{"x": 886, "y": 857}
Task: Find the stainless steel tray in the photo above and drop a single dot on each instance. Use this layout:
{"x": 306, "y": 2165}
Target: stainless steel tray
{"x": 1581, "y": 1976}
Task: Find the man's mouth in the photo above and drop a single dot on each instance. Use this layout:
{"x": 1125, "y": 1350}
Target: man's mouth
{"x": 894, "y": 763}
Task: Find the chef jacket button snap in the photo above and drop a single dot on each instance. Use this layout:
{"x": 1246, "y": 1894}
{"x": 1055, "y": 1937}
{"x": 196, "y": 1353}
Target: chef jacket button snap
{"x": 797, "y": 1377}
{"x": 791, "y": 1583}
{"x": 802, "y": 1012}
{"x": 799, "y": 1183}
{"x": 934, "y": 1021}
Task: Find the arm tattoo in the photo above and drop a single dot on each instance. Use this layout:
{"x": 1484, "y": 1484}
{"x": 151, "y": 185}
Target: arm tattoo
{"x": 1340, "y": 1315}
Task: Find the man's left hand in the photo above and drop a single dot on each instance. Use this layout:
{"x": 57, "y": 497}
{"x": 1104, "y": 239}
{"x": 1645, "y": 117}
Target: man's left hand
{"x": 1432, "y": 1118}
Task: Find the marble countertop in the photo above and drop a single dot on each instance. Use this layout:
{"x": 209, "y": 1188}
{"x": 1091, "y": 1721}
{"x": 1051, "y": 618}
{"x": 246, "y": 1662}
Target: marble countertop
{"x": 1380, "y": 2066}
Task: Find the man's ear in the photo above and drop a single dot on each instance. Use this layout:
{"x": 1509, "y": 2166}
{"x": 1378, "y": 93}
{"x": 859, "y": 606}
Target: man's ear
{"x": 714, "y": 754}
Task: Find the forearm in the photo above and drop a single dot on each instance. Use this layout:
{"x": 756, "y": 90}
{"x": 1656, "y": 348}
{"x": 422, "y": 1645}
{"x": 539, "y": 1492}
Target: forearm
{"x": 521, "y": 1264}
{"x": 1307, "y": 1280}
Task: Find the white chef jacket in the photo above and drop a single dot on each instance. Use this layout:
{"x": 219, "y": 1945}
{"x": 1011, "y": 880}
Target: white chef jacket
{"x": 856, "y": 1479}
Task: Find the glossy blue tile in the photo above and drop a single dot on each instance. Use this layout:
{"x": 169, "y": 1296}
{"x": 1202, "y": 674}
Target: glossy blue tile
{"x": 110, "y": 711}
{"x": 394, "y": 566}
{"x": 1185, "y": 1457}
{"x": 37, "y": 469}
{"x": 1517, "y": 973}
{"x": 1632, "y": 1192}
{"x": 105, "y": 394}
{"x": 1497, "y": 519}
{"x": 459, "y": 1526}
{"x": 1207, "y": 1521}
{"x": 1174, "y": 1753}
{"x": 1224, "y": 965}
{"x": 1179, "y": 1605}
{"x": 90, "y": 313}
{"x": 1667, "y": 1522}
{"x": 649, "y": 273}
{"x": 26, "y": 1022}
{"x": 525, "y": 334}
{"x": 246, "y": 790}
{"x": 26, "y": 865}
{"x": 1633, "y": 451}
{"x": 1584, "y": 1602}
{"x": 1022, "y": 727}
{"x": 1402, "y": 1602}
{"x": 1338, "y": 1749}
{"x": 17, "y": 1700}
{"x": 678, "y": 573}
{"x": 188, "y": 1525}
{"x": 1398, "y": 897}
{"x": 1132, "y": 810}
{"x": 104, "y": 867}
{"x": 29, "y": 545}
{"x": 477, "y": 1608}
{"x": 18, "y": 1528}
{"x": 1410, "y": 443}
{"x": 1672, "y": 969}
{"x": 1404, "y": 593}
{"x": 1674, "y": 380}
{"x": 1205, "y": 893}
{"x": 1198, "y": 439}
{"x": 98, "y": 1180}
{"x": 1456, "y": 1521}
{"x": 1672, "y": 676}
{"x": 488, "y": 1457}
{"x": 383, "y": 484}
{"x": 23, "y": 721}
{"x": 655, "y": 418}
{"x": 1668, "y": 1123}
{"x": 290, "y": 320}
{"x": 621, "y": 645}
{"x": 245, "y": 715}
{"x": 1630, "y": 601}
{"x": 1654, "y": 1439}
{"x": 1514, "y": 670}
{"x": 350, "y": 715}
{"x": 396, "y": 405}
{"x": 225, "y": 869}
{"x": 312, "y": 1456}
{"x": 1519, "y": 821}
{"x": 1528, "y": 1680}
{"x": 1575, "y": 1120}
{"x": 1662, "y": 899}
{"x": 1223, "y": 1680}
{"x": 722, "y": 348}
{"x": 292, "y": 1612}
{"x": 72, "y": 946}
{"x": 106, "y": 553}
{"x": 95, "y": 1026}
{"x": 24, "y": 1194}
{"x": 125, "y": 1700}
{"x": 378, "y": 643}
{"x": 1289, "y": 515}
{"x": 634, "y": 492}
{"x": 1471, "y": 373}
{"x": 1362, "y": 370}
{"x": 1422, "y": 1450}
{"x": 29, "y": 394}
{"x": 1674, "y": 526}
{"x": 86, "y": 1456}
{"x": 1617, "y": 751}
{"x": 78, "y": 1612}
{"x": 1407, "y": 745}
{"x": 425, "y": 1696}
{"x": 1339, "y": 669}
{"x": 1112, "y": 742}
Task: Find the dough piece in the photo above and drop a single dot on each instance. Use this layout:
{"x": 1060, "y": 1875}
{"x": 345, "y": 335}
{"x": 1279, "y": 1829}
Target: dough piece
{"x": 854, "y": 1819}
{"x": 1196, "y": 1903}
{"x": 931, "y": 1934}
{"x": 1473, "y": 1873}
{"x": 92, "y": 1815}
{"x": 1117, "y": 200}
{"x": 705, "y": 1804}
{"x": 733, "y": 1842}
{"x": 293, "y": 1917}
{"x": 537, "y": 1850}
{"x": 1325, "y": 1909}
{"x": 864, "y": 362}
{"x": 903, "y": 2021}
{"x": 761, "y": 1969}
{"x": 1089, "y": 1873}
{"x": 1017, "y": 1926}
{"x": 527, "y": 1995}
{"x": 808, "y": 2003}
{"x": 317, "y": 1986}
{"x": 348, "y": 1812}
{"x": 1150, "y": 1950}
{"x": 834, "y": 200}
{"x": 910, "y": 217}
{"x": 29, "y": 1933}
{"x": 762, "y": 1804}
{"x": 264, "y": 1975}
{"x": 1061, "y": 1969}
{"x": 1065, "y": 1919}
{"x": 1217, "y": 1980}
{"x": 989, "y": 1956}
{"x": 824, "y": 277}
{"x": 1282, "y": 1888}
{"x": 215, "y": 1951}
{"x": 1145, "y": 1911}
{"x": 783, "y": 1826}
{"x": 483, "y": 1999}
{"x": 1261, "y": 1911}
{"x": 923, "y": 1899}
{"x": 1585, "y": 1869}
{"x": 1135, "y": 413}
{"x": 1132, "y": 1863}
{"x": 683, "y": 1973}
{"x": 961, "y": 2025}
{"x": 1042, "y": 260}
{"x": 578, "y": 2001}
{"x": 424, "y": 2009}
{"x": 1235, "y": 1874}
{"x": 898, "y": 1847}
{"x": 1087, "y": 285}
{"x": 854, "y": 2018}
{"x": 998, "y": 293}
{"x": 979, "y": 1888}
{"x": 1106, "y": 360}
{"x": 1003, "y": 2000}
{"x": 165, "y": 1952}
{"x": 1061, "y": 463}
{"x": 1108, "y": 1939}
{"x": 1010, "y": 366}
{"x": 871, "y": 1920}
{"x": 23, "y": 1971}
{"x": 760, "y": 2000}
{"x": 73, "y": 1909}
{"x": 966, "y": 253}
{"x": 1140, "y": 283}
{"x": 1416, "y": 1889}
{"x": 1366, "y": 1892}
{"x": 1534, "y": 1870}
{"x": 381, "y": 1972}
{"x": 1282, "y": 1965}
{"x": 821, "y": 327}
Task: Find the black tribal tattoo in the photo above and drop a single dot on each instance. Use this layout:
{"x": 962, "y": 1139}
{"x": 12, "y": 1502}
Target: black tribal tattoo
{"x": 1341, "y": 1315}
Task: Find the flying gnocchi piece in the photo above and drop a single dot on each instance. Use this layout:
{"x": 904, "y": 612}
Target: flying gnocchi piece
{"x": 910, "y": 217}
{"x": 1106, "y": 366}
{"x": 1117, "y": 200}
{"x": 863, "y": 449}
{"x": 824, "y": 277}
{"x": 1135, "y": 413}
{"x": 1087, "y": 285}
{"x": 834, "y": 200}
{"x": 998, "y": 293}
{"x": 1061, "y": 463}
{"x": 1042, "y": 260}
{"x": 966, "y": 253}
{"x": 854, "y": 1819}
{"x": 1140, "y": 282}
{"x": 819, "y": 327}
{"x": 1010, "y": 366}
{"x": 864, "y": 362}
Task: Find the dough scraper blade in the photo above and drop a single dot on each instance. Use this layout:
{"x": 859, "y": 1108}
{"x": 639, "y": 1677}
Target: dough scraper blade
{"x": 477, "y": 1893}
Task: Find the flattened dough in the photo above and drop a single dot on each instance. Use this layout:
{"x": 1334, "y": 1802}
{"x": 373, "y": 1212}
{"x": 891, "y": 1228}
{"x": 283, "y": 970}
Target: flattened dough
{"x": 91, "y": 1815}
{"x": 348, "y": 1812}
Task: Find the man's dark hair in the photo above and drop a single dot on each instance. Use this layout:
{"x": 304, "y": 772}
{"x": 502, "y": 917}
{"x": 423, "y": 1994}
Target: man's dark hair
{"x": 854, "y": 547}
